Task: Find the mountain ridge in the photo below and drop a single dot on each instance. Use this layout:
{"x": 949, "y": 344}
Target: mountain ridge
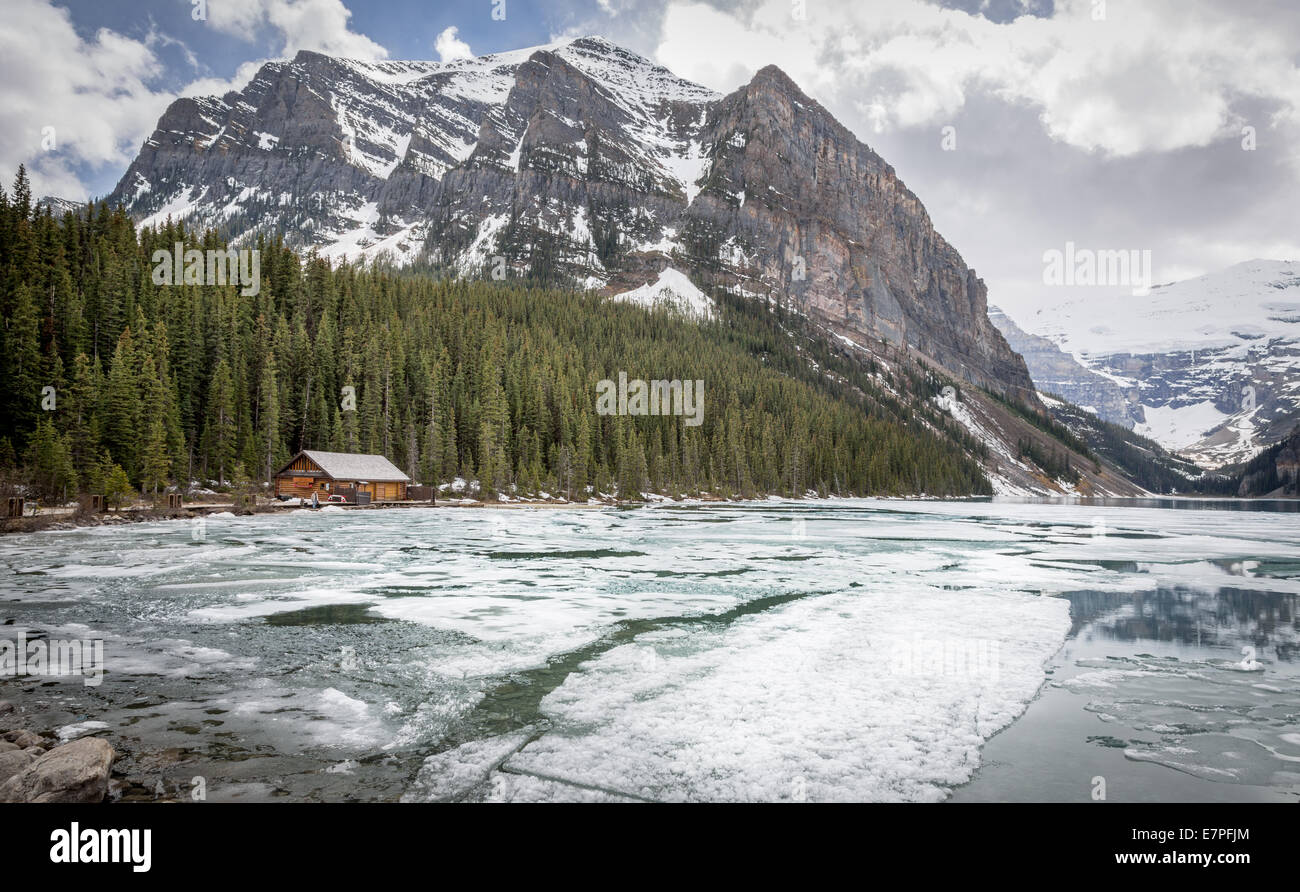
{"x": 584, "y": 163}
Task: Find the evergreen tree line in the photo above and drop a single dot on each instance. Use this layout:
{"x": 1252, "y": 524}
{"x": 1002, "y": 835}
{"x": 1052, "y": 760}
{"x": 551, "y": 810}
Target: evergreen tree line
{"x": 1142, "y": 460}
{"x": 1273, "y": 470}
{"x": 1054, "y": 462}
{"x": 111, "y": 382}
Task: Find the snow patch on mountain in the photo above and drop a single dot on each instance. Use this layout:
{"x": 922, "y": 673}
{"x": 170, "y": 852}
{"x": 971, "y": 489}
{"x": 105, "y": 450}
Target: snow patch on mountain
{"x": 1182, "y": 426}
{"x": 1233, "y": 308}
{"x": 181, "y": 206}
{"x": 688, "y": 167}
{"x": 480, "y": 251}
{"x": 1003, "y": 483}
{"x": 672, "y": 289}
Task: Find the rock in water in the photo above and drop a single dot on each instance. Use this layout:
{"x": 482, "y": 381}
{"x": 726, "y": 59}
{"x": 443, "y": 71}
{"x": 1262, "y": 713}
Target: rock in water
{"x": 74, "y": 772}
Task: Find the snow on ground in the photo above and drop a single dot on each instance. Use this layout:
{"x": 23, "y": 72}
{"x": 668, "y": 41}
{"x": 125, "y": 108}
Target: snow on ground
{"x": 1243, "y": 303}
{"x": 178, "y": 207}
{"x": 829, "y": 700}
{"x": 997, "y": 446}
{"x": 1179, "y": 427}
{"x": 672, "y": 289}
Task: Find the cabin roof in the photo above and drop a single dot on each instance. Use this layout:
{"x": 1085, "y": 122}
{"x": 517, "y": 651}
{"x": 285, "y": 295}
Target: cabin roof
{"x": 353, "y": 466}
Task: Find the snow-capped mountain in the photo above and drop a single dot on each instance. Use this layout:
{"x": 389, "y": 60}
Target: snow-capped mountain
{"x": 585, "y": 162}
{"x": 1055, "y": 371}
{"x": 1209, "y": 366}
{"x": 60, "y": 206}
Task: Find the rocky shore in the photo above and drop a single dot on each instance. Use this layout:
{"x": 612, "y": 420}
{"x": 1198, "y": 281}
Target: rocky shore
{"x": 37, "y": 768}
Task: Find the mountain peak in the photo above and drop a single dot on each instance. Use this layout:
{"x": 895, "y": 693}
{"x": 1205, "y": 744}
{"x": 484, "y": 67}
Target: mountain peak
{"x": 773, "y": 73}
{"x": 584, "y": 161}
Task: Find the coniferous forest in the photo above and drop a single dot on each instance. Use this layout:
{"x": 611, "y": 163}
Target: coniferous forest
{"x": 116, "y": 385}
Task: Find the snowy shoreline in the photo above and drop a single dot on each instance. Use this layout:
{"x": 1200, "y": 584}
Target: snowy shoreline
{"x": 67, "y": 522}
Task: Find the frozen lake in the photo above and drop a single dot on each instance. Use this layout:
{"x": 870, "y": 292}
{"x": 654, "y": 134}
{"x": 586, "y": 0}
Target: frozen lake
{"x": 841, "y": 650}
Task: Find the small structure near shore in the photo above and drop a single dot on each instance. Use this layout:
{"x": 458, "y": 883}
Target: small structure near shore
{"x": 360, "y": 478}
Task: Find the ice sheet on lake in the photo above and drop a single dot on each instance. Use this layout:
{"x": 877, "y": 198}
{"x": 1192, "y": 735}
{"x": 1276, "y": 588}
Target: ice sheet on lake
{"x": 779, "y": 650}
{"x": 875, "y": 695}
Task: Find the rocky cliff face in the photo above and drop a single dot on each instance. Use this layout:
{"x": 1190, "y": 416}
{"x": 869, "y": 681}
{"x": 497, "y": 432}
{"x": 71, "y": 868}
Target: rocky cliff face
{"x": 582, "y": 162}
{"x": 1055, "y": 371}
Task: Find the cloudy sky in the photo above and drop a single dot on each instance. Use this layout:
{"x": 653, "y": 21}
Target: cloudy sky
{"x": 1164, "y": 125}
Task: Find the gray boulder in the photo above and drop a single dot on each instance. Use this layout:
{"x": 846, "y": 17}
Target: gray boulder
{"x": 24, "y": 739}
{"x": 74, "y": 772}
{"x": 14, "y": 762}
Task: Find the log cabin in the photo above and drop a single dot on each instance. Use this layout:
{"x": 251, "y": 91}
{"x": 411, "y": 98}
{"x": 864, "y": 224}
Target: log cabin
{"x": 329, "y": 473}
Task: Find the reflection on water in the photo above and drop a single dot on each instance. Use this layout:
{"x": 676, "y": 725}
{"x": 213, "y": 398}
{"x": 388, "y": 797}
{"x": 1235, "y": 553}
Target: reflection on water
{"x": 1271, "y": 506}
{"x": 1227, "y": 618}
{"x": 1175, "y": 694}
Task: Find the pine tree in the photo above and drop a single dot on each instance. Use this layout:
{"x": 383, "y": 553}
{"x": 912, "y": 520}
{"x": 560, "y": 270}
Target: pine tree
{"x": 49, "y": 463}
{"x": 221, "y": 424}
{"x": 114, "y": 484}
{"x": 121, "y": 409}
{"x": 157, "y": 461}
{"x": 269, "y": 420}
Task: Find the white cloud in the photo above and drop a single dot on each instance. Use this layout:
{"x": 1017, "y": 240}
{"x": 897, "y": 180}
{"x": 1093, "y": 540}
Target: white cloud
{"x": 451, "y": 47}
{"x": 94, "y": 93}
{"x": 318, "y": 25}
{"x": 722, "y": 51}
{"x": 100, "y": 95}
{"x": 1155, "y": 75}
{"x": 220, "y": 86}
